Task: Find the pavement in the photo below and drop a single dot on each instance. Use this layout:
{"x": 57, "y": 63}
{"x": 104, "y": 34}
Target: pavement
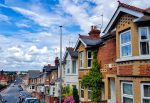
{"x": 11, "y": 93}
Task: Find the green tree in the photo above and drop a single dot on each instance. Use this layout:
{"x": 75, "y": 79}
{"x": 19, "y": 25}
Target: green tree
{"x": 75, "y": 94}
{"x": 93, "y": 79}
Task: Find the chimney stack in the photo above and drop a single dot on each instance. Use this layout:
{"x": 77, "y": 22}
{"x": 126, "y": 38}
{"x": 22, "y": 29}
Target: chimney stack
{"x": 94, "y": 32}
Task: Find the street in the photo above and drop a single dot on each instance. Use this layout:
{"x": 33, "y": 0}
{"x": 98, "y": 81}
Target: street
{"x": 11, "y": 93}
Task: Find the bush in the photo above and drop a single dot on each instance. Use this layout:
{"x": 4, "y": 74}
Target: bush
{"x": 69, "y": 100}
{"x": 75, "y": 95}
{"x": 2, "y": 86}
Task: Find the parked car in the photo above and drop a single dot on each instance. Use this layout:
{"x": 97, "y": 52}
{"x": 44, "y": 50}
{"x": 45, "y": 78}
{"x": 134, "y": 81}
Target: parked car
{"x": 32, "y": 100}
{"x": 2, "y": 99}
{"x": 23, "y": 95}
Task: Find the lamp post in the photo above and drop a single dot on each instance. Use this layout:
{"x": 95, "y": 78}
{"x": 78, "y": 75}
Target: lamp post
{"x": 60, "y": 86}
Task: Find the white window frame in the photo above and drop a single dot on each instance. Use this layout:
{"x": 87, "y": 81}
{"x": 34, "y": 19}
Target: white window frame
{"x": 88, "y": 94}
{"x": 126, "y": 95}
{"x": 82, "y": 99}
{"x": 128, "y": 43}
{"x": 68, "y": 66}
{"x": 89, "y": 58}
{"x": 73, "y": 67}
{"x": 148, "y": 31}
{"x": 142, "y": 91}
{"x": 82, "y": 59}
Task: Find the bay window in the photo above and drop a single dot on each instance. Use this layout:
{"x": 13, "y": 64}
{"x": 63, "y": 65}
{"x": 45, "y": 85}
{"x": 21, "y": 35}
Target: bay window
{"x": 144, "y": 39}
{"x": 125, "y": 44}
{"x": 127, "y": 92}
{"x": 74, "y": 66}
{"x": 89, "y": 58}
{"x": 145, "y": 93}
{"x": 81, "y": 59}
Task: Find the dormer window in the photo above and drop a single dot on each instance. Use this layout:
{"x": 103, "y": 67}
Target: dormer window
{"x": 125, "y": 44}
{"x": 144, "y": 39}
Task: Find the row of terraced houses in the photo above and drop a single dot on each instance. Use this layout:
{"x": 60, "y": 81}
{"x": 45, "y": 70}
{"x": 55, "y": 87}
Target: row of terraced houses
{"x": 123, "y": 56}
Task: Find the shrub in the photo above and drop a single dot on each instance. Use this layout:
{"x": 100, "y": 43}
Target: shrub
{"x": 69, "y": 100}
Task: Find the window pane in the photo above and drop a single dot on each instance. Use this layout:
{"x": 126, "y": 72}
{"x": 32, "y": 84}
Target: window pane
{"x": 144, "y": 48}
{"x": 89, "y": 94}
{"x": 127, "y": 89}
{"x": 146, "y": 100}
{"x": 89, "y": 55}
{"x": 73, "y": 66}
{"x": 146, "y": 90}
{"x": 127, "y": 100}
{"x": 82, "y": 93}
{"x": 126, "y": 50}
{"x": 125, "y": 37}
{"x": 89, "y": 62}
{"x": 143, "y": 33}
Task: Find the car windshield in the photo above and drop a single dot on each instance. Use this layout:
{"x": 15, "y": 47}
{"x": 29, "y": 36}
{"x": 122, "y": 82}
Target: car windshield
{"x": 32, "y": 101}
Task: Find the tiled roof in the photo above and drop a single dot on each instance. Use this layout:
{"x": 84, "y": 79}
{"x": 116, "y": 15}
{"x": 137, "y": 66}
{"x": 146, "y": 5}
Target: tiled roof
{"x": 91, "y": 41}
{"x": 49, "y": 68}
{"x": 130, "y": 7}
{"x": 72, "y": 53}
{"x": 33, "y": 73}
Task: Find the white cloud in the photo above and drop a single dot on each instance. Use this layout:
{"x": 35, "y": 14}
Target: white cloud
{"x": 4, "y": 18}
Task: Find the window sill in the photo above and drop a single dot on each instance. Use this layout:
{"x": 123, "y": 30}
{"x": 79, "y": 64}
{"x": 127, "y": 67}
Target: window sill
{"x": 142, "y": 57}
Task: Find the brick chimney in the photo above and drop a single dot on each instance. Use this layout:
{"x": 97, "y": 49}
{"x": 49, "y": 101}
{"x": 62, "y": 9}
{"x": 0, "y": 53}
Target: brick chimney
{"x": 56, "y": 61}
{"x": 94, "y": 33}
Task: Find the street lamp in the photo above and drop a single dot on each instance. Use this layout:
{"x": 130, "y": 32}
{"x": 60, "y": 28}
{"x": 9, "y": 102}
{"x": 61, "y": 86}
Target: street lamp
{"x": 60, "y": 86}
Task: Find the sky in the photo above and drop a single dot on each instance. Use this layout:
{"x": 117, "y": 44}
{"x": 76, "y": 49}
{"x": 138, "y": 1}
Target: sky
{"x": 29, "y": 29}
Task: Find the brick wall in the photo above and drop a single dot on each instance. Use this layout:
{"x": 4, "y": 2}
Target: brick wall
{"x": 125, "y": 70}
{"x": 107, "y": 55}
{"x": 144, "y": 70}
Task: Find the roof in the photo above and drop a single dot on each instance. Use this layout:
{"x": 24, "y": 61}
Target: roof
{"x": 33, "y": 73}
{"x": 144, "y": 18}
{"x": 49, "y": 68}
{"x": 88, "y": 42}
{"x": 130, "y": 7}
{"x": 73, "y": 54}
{"x": 124, "y": 8}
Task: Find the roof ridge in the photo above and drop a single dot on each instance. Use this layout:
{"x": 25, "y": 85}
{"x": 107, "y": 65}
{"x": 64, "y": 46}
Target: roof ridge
{"x": 130, "y": 7}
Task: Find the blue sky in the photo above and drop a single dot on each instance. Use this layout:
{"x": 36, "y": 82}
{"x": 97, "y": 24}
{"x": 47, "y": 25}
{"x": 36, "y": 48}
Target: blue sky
{"x": 29, "y": 29}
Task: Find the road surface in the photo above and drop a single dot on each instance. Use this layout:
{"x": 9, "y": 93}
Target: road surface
{"x": 11, "y": 94}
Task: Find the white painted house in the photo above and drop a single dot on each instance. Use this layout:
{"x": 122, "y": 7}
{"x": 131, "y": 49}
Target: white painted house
{"x": 70, "y": 71}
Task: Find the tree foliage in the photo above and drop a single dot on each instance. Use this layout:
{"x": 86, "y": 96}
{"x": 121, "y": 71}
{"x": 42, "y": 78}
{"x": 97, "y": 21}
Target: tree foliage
{"x": 93, "y": 79}
{"x": 75, "y": 94}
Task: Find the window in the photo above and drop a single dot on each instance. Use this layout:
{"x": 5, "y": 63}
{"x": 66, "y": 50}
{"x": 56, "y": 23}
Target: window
{"x": 89, "y": 58}
{"x": 32, "y": 87}
{"x": 89, "y": 94}
{"x": 82, "y": 92}
{"x": 74, "y": 67}
{"x": 145, "y": 93}
{"x": 127, "y": 92}
{"x": 125, "y": 43}
{"x": 81, "y": 59}
{"x": 68, "y": 66}
{"x": 144, "y": 40}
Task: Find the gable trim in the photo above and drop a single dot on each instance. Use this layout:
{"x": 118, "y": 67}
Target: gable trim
{"x": 77, "y": 44}
{"x": 121, "y": 9}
